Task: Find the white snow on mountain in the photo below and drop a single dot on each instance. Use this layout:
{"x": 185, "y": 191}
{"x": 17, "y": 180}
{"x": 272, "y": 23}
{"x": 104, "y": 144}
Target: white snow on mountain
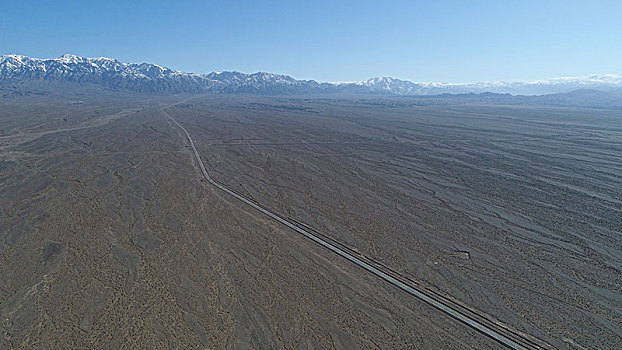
{"x": 549, "y": 86}
{"x": 146, "y": 77}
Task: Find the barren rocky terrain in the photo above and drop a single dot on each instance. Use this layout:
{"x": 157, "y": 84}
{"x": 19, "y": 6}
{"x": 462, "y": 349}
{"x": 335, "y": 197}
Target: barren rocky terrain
{"x": 110, "y": 238}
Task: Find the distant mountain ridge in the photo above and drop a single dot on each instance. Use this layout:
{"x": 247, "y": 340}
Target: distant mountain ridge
{"x": 140, "y": 77}
{"x": 146, "y": 77}
{"x": 605, "y": 82}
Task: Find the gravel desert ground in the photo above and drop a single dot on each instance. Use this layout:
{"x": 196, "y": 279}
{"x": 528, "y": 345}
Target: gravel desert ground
{"x": 110, "y": 238}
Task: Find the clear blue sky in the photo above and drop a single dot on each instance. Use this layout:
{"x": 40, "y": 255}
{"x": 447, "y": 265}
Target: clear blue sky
{"x": 451, "y": 41}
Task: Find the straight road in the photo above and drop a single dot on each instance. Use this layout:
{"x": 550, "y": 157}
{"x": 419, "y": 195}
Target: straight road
{"x": 475, "y": 319}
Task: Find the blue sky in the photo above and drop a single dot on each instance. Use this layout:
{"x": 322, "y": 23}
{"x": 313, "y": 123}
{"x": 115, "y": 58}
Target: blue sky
{"x": 449, "y": 41}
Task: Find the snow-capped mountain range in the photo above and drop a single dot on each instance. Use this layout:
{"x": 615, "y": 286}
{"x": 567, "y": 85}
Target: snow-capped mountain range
{"x": 145, "y": 77}
{"x": 604, "y": 82}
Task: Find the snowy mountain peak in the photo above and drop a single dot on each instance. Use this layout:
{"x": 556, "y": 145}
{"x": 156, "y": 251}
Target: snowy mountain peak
{"x": 69, "y": 58}
{"x": 146, "y": 77}
{"x": 13, "y": 58}
{"x": 548, "y": 86}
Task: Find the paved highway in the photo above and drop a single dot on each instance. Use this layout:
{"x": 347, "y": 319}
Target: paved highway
{"x": 473, "y": 318}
